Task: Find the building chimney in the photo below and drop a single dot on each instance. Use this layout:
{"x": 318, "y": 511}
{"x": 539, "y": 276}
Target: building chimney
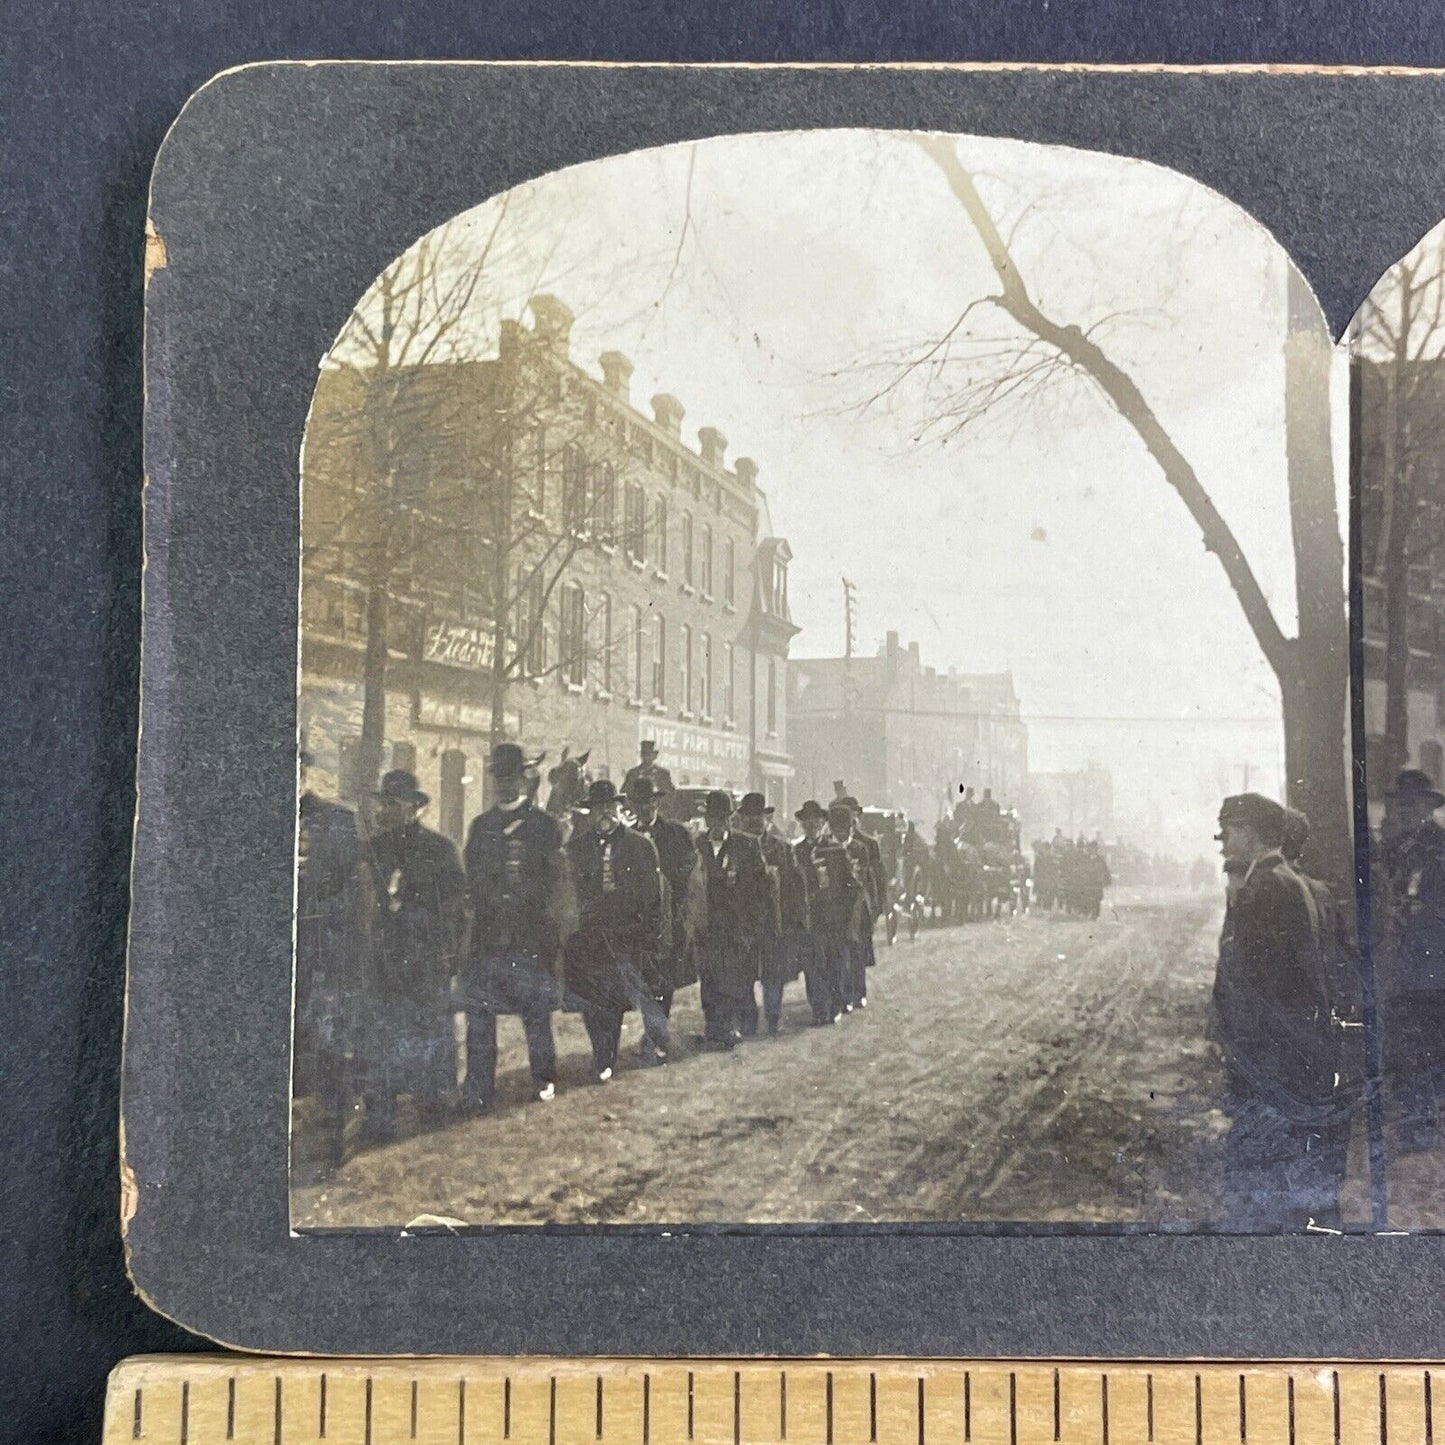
{"x": 616, "y": 372}
{"x": 553, "y": 323}
{"x": 668, "y": 411}
{"x": 747, "y": 472}
{"x": 714, "y": 444}
{"x": 913, "y": 654}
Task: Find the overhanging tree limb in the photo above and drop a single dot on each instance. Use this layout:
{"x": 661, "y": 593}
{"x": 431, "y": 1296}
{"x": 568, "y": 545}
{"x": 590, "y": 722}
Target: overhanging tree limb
{"x": 1090, "y": 358}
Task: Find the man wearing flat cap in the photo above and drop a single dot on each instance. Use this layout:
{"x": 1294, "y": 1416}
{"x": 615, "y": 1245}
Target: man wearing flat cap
{"x": 681, "y": 901}
{"x": 1274, "y": 1020}
{"x": 516, "y": 879}
{"x": 420, "y": 933}
{"x": 619, "y": 931}
{"x": 1413, "y": 958}
{"x": 738, "y": 907}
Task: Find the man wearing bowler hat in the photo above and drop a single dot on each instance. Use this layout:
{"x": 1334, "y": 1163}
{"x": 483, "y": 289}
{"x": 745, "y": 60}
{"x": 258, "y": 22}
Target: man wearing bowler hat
{"x": 738, "y": 907}
{"x": 615, "y": 947}
{"x": 835, "y": 902}
{"x": 681, "y": 884}
{"x": 420, "y": 932}
{"x": 1413, "y": 958}
{"x": 516, "y": 878}
{"x": 776, "y": 951}
{"x": 1275, "y": 1022}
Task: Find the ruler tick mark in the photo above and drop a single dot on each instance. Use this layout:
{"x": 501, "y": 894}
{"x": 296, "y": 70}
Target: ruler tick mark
{"x": 1290, "y": 1393}
{"x": 135, "y": 1421}
{"x": 277, "y": 1432}
{"x": 1429, "y": 1413}
{"x": 1013, "y": 1409}
{"x": 782, "y": 1405}
{"x": 646, "y": 1408}
{"x": 968, "y": 1405}
{"x": 1149, "y": 1404}
{"x": 367, "y": 1425}
{"x": 689, "y": 1404}
{"x": 186, "y": 1410}
{"x": 1198, "y": 1412}
{"x": 552, "y": 1410}
{"x": 828, "y": 1406}
{"x": 1243, "y": 1417}
{"x": 321, "y": 1409}
{"x": 1057, "y": 1409}
{"x": 873, "y": 1409}
{"x": 462, "y": 1411}
{"x": 599, "y": 1407}
{"x": 737, "y": 1407}
{"x": 920, "y": 1411}
{"x": 1335, "y": 1387}
{"x": 1384, "y": 1411}
{"x": 507, "y": 1408}
{"x": 231, "y": 1408}
{"x": 413, "y": 1409}
{"x": 1104, "y": 1408}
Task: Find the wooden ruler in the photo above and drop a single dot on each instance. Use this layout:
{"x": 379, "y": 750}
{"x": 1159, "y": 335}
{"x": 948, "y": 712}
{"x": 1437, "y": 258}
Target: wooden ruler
{"x": 204, "y": 1400}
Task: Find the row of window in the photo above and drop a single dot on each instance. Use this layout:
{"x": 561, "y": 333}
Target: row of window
{"x": 589, "y": 506}
{"x": 636, "y": 659}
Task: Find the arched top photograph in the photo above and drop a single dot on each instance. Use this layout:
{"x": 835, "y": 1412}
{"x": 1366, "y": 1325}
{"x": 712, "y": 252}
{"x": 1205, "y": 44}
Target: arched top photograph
{"x": 811, "y": 645}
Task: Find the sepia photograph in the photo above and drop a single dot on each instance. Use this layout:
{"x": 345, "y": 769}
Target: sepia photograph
{"x": 824, "y": 699}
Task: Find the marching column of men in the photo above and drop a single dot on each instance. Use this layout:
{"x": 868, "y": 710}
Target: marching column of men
{"x": 398, "y": 938}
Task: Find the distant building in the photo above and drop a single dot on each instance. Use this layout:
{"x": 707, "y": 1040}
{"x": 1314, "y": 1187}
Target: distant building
{"x": 1423, "y": 398}
{"x": 519, "y": 507}
{"x": 1080, "y": 802}
{"x": 902, "y": 735}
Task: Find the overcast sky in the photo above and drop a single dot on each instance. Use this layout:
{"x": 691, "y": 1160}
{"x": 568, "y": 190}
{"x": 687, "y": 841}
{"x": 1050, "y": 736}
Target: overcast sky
{"x": 763, "y": 279}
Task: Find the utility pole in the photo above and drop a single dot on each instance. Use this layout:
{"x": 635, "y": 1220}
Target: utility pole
{"x": 850, "y": 614}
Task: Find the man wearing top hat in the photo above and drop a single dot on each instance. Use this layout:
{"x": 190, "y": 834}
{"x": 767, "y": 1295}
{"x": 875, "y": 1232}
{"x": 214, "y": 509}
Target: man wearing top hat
{"x": 778, "y": 961}
{"x": 739, "y": 904}
{"x": 681, "y": 890}
{"x": 1412, "y": 858}
{"x": 655, "y": 774}
{"x": 1274, "y": 1020}
{"x": 614, "y": 950}
{"x": 834, "y": 904}
{"x": 420, "y": 932}
{"x": 516, "y": 878}
{"x": 331, "y": 957}
{"x": 868, "y": 856}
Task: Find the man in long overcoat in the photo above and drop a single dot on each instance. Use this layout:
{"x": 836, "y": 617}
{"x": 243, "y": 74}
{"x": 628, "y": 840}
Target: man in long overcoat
{"x": 681, "y": 885}
{"x": 739, "y": 903}
{"x": 1412, "y": 859}
{"x": 516, "y": 880}
{"x": 331, "y": 959}
{"x": 869, "y": 855}
{"x": 834, "y": 904}
{"x": 778, "y": 958}
{"x": 420, "y": 932}
{"x": 619, "y": 933}
{"x": 1274, "y": 1021}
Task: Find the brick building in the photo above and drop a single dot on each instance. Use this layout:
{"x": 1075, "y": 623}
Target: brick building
{"x": 903, "y": 735}
{"x": 520, "y": 508}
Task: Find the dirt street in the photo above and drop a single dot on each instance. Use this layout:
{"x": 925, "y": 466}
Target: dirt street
{"x": 1036, "y": 1069}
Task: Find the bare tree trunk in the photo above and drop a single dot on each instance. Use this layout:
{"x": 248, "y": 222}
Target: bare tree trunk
{"x": 373, "y": 696}
{"x": 1314, "y": 688}
{"x": 1395, "y": 575}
